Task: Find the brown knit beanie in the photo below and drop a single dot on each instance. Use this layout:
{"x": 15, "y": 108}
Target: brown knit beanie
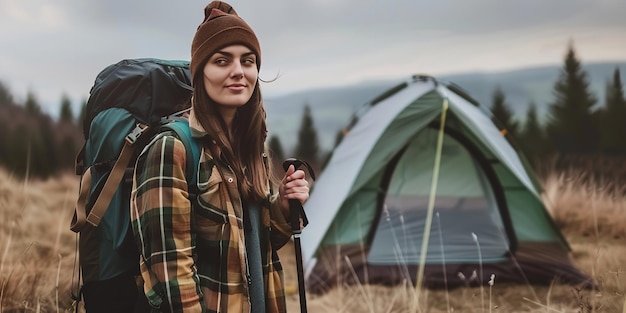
{"x": 221, "y": 27}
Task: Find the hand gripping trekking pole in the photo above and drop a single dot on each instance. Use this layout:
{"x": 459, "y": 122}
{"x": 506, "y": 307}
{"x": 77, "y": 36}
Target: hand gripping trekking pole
{"x": 297, "y": 213}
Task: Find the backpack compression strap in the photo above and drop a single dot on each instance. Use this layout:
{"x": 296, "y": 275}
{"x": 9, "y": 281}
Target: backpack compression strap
{"x": 110, "y": 186}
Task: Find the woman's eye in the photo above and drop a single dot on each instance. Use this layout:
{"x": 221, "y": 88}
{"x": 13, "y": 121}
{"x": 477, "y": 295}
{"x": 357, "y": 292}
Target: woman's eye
{"x": 249, "y": 61}
{"x": 220, "y": 61}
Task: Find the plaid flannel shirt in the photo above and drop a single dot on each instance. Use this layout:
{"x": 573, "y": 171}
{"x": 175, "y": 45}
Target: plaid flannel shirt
{"x": 194, "y": 260}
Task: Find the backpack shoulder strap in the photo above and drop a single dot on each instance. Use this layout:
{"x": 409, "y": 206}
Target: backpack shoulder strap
{"x": 192, "y": 148}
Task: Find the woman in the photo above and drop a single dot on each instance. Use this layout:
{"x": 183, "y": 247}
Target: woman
{"x": 219, "y": 254}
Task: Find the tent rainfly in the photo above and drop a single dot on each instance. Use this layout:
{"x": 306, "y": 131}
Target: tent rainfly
{"x": 405, "y": 166}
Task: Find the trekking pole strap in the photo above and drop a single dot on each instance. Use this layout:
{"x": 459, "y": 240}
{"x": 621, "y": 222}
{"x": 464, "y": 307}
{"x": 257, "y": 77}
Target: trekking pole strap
{"x": 297, "y": 215}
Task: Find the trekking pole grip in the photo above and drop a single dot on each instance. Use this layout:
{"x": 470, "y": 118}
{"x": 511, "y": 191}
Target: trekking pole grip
{"x": 297, "y": 211}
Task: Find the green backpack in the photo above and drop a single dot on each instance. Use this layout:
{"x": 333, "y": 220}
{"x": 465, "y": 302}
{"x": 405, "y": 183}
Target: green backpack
{"x": 130, "y": 103}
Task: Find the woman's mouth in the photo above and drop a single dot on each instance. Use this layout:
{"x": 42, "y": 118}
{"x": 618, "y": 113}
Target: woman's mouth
{"x": 236, "y": 87}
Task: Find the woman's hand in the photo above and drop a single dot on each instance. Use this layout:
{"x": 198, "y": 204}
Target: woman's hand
{"x": 293, "y": 186}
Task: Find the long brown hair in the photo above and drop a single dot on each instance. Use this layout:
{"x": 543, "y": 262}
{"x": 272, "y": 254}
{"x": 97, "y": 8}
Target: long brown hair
{"x": 244, "y": 151}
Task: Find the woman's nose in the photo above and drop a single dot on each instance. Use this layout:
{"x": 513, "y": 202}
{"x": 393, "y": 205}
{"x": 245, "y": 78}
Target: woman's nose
{"x": 237, "y": 70}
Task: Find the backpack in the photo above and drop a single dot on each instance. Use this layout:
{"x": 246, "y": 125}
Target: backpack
{"x": 130, "y": 103}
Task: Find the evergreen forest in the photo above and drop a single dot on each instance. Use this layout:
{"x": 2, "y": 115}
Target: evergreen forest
{"x": 580, "y": 130}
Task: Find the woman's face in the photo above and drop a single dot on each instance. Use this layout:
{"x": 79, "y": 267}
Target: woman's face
{"x": 230, "y": 76}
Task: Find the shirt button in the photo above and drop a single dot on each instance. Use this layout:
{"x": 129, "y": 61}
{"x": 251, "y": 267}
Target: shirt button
{"x": 230, "y": 179}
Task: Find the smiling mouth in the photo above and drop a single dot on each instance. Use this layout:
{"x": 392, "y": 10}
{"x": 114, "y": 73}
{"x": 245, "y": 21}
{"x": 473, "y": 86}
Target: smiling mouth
{"x": 236, "y": 86}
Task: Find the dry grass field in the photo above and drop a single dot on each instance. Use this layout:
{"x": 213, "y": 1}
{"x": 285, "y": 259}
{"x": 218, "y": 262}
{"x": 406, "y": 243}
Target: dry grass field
{"x": 37, "y": 252}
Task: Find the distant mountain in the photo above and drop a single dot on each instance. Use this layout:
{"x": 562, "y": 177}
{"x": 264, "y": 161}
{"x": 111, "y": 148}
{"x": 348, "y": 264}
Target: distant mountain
{"x": 332, "y": 108}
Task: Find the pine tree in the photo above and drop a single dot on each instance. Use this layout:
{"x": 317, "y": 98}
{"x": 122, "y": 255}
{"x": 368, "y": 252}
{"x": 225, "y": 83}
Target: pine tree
{"x": 276, "y": 148}
{"x": 307, "y": 148}
{"x": 42, "y": 147}
{"x": 502, "y": 115}
{"x": 571, "y": 126}
{"x": 614, "y": 117}
{"x": 66, "y": 115}
{"x": 19, "y": 150}
{"x": 32, "y": 105}
{"x": 5, "y": 95}
{"x": 4, "y": 135}
{"x": 81, "y": 115}
{"x": 532, "y": 137}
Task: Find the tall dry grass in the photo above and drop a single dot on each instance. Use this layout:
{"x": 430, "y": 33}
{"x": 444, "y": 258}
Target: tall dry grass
{"x": 36, "y": 246}
{"x": 592, "y": 216}
{"x": 37, "y": 255}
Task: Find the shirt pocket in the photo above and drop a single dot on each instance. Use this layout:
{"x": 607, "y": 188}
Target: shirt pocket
{"x": 213, "y": 232}
{"x": 211, "y": 218}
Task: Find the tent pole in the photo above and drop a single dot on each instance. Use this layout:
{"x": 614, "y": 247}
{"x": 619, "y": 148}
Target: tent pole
{"x": 431, "y": 205}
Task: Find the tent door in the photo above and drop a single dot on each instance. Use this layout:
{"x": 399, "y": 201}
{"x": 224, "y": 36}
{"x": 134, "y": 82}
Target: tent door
{"x": 465, "y": 205}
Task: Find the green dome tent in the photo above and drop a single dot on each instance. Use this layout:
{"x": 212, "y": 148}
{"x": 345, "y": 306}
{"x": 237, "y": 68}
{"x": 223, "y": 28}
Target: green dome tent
{"x": 369, "y": 208}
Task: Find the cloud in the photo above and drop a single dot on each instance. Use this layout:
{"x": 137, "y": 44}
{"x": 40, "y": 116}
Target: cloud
{"x": 46, "y": 17}
{"x": 60, "y": 45}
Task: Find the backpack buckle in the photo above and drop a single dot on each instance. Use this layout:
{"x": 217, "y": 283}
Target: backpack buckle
{"x": 136, "y": 133}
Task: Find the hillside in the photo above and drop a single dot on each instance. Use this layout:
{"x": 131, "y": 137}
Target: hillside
{"x": 332, "y": 107}
{"x": 38, "y": 254}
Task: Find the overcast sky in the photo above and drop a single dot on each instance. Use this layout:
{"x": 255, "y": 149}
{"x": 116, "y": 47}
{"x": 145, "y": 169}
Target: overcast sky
{"x": 59, "y": 46}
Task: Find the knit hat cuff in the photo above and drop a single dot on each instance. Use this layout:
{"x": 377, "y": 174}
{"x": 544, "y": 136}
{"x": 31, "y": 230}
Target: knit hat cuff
{"x": 228, "y": 36}
{"x": 218, "y": 31}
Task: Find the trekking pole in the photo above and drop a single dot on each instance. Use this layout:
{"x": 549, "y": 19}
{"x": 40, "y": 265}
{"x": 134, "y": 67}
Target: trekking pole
{"x": 297, "y": 213}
